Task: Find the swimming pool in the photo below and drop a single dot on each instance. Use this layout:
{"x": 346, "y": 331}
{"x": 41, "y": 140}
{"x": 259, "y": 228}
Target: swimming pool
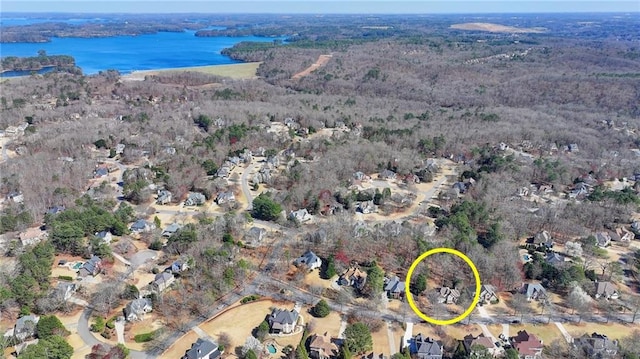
{"x": 271, "y": 348}
{"x": 526, "y": 257}
{"x": 77, "y": 266}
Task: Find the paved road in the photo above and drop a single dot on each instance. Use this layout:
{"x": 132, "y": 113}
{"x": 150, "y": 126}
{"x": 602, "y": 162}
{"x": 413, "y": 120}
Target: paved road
{"x": 245, "y": 185}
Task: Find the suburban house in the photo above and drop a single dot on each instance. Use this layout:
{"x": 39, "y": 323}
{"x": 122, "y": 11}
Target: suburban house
{"x": 603, "y": 239}
{"x": 487, "y": 294}
{"x": 105, "y": 236}
{"x": 366, "y": 207}
{"x": 283, "y": 321}
{"x": 387, "y": 175}
{"x": 164, "y": 197}
{"x": 225, "y": 197}
{"x": 179, "y": 266}
{"x": 309, "y": 260}
{"x": 554, "y": 259}
{"x": 596, "y": 345}
{"x": 426, "y": 348}
{"x": 354, "y": 277}
{"x": 606, "y": 290}
{"x": 65, "y": 290}
{"x": 16, "y": 197}
{"x": 195, "y": 199}
{"x": 470, "y": 342}
{"x": 142, "y": 225}
{"x": 100, "y": 172}
{"x": 533, "y": 291}
{"x": 394, "y": 287}
{"x": 301, "y": 215}
{"x": 621, "y": 235}
{"x": 137, "y": 308}
{"x": 448, "y": 295}
{"x": 360, "y": 176}
{"x": 32, "y": 236}
{"x": 203, "y": 349}
{"x": 55, "y": 209}
{"x": 25, "y": 327}
{"x": 254, "y": 237}
{"x": 171, "y": 230}
{"x": 321, "y": 347}
{"x": 162, "y": 281}
{"x": 91, "y": 267}
{"x": 527, "y": 345}
{"x": 543, "y": 238}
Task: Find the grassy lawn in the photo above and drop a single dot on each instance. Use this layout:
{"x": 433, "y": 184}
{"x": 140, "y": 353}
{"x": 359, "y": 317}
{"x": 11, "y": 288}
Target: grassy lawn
{"x": 495, "y": 329}
{"x": 180, "y": 346}
{"x": 235, "y": 71}
{"x": 459, "y": 331}
{"x": 329, "y": 324}
{"x": 612, "y": 330}
{"x": 547, "y": 333}
{"x": 381, "y": 341}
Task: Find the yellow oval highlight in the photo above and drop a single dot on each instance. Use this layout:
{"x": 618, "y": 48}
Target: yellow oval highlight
{"x": 412, "y": 304}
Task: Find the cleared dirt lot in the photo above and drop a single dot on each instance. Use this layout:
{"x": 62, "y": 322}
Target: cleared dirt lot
{"x": 322, "y": 60}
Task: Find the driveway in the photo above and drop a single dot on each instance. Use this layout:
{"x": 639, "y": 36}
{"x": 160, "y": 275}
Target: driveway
{"x": 142, "y": 257}
{"x": 245, "y": 185}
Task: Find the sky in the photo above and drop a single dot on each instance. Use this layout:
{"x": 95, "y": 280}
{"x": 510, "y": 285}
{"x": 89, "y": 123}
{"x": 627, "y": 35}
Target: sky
{"x": 315, "y": 7}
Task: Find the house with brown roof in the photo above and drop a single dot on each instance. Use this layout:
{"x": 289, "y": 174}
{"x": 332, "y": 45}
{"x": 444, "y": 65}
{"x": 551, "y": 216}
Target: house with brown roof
{"x": 470, "y": 343}
{"x": 354, "y": 277}
{"x": 32, "y": 236}
{"x": 321, "y": 347}
{"x": 527, "y": 345}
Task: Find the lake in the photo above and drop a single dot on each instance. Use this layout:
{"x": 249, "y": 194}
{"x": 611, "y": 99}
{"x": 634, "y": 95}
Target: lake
{"x": 131, "y": 53}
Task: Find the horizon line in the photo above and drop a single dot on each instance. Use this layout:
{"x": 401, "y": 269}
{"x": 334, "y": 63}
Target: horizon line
{"x": 2, "y": 14}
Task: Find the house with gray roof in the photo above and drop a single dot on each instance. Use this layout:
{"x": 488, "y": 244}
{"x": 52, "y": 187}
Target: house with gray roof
{"x": 25, "y": 327}
{"x": 533, "y": 291}
{"x": 606, "y": 290}
{"x": 171, "y": 230}
{"x": 164, "y": 197}
{"x": 137, "y": 308}
{"x": 603, "y": 239}
{"x": 309, "y": 260}
{"x": 394, "y": 287}
{"x": 596, "y": 346}
{"x": 225, "y": 197}
{"x": 426, "y": 348}
{"x": 488, "y": 294}
{"x": 162, "y": 281}
{"x": 254, "y": 237}
{"x": 65, "y": 290}
{"x": 543, "y": 238}
{"x": 448, "y": 295}
{"x": 91, "y": 267}
{"x": 554, "y": 259}
{"x": 203, "y": 349}
{"x": 301, "y": 215}
{"x": 283, "y": 321}
{"x": 142, "y": 225}
{"x": 195, "y": 199}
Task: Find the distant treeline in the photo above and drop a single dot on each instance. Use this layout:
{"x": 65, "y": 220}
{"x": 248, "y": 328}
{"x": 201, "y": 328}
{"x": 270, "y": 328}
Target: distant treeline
{"x": 35, "y": 63}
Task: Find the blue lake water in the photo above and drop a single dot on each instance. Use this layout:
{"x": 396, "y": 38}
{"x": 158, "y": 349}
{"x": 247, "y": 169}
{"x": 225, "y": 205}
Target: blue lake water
{"x": 131, "y": 53}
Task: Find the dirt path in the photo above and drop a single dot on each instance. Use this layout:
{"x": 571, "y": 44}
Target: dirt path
{"x": 322, "y": 60}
